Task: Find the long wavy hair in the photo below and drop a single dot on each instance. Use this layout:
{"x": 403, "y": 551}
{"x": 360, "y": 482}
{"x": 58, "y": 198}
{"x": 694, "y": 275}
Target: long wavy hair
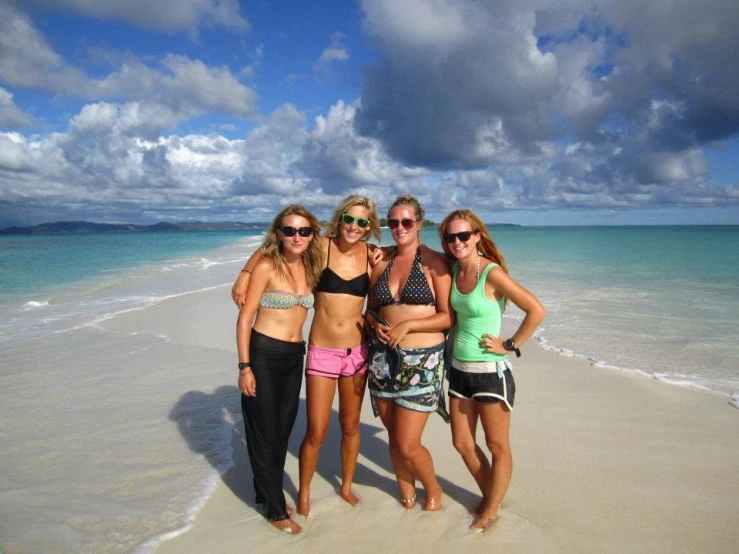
{"x": 332, "y": 229}
{"x": 486, "y": 246}
{"x": 312, "y": 256}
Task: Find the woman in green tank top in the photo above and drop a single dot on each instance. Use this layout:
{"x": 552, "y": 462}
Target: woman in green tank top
{"x": 481, "y": 386}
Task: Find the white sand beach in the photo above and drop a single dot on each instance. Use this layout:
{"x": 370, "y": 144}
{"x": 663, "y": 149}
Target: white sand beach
{"x": 604, "y": 461}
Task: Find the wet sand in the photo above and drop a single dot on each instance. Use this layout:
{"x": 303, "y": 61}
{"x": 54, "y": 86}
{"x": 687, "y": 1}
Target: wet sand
{"x": 604, "y": 461}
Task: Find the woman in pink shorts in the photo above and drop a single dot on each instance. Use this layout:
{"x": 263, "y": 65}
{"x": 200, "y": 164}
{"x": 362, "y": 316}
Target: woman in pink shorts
{"x": 337, "y": 350}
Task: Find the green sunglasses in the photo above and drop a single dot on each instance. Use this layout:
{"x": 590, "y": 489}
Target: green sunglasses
{"x": 347, "y": 219}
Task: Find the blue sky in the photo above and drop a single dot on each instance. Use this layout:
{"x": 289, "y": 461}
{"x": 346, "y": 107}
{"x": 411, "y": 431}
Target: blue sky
{"x": 528, "y": 112}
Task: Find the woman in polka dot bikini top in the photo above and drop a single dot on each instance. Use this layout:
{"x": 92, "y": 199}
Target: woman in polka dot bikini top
{"x": 410, "y": 290}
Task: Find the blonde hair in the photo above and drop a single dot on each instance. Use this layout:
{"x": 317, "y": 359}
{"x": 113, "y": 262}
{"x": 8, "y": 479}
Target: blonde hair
{"x": 486, "y": 245}
{"x": 332, "y": 229}
{"x": 312, "y": 256}
{"x": 408, "y": 200}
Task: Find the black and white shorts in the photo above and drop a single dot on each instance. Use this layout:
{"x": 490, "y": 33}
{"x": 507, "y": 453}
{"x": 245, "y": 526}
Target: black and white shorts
{"x": 483, "y": 383}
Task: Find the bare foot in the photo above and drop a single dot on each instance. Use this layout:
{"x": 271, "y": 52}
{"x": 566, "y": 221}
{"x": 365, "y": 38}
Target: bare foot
{"x": 350, "y": 498}
{"x": 287, "y": 526}
{"x": 303, "y": 505}
{"x": 484, "y": 522}
{"x": 290, "y": 511}
{"x": 409, "y": 502}
{"x": 433, "y": 500}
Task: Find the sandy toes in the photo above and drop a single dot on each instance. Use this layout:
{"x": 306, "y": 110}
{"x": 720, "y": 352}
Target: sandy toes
{"x": 483, "y": 523}
{"x": 287, "y": 526}
{"x": 350, "y": 498}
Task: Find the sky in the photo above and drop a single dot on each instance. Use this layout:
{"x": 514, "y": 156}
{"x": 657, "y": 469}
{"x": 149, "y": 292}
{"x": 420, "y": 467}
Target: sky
{"x": 531, "y": 112}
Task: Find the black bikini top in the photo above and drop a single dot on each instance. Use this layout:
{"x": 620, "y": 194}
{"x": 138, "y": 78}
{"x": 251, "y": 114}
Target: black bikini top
{"x": 416, "y": 290}
{"x": 331, "y": 282}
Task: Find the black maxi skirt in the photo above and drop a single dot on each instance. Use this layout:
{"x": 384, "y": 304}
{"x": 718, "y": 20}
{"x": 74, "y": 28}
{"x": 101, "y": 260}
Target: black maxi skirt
{"x": 270, "y": 415}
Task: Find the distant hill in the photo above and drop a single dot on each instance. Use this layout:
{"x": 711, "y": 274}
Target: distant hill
{"x": 80, "y": 227}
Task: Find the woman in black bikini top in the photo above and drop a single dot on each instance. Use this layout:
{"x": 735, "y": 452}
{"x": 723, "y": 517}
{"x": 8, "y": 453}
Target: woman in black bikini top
{"x": 407, "y": 355}
{"x": 416, "y": 290}
{"x": 333, "y": 283}
{"x": 337, "y": 349}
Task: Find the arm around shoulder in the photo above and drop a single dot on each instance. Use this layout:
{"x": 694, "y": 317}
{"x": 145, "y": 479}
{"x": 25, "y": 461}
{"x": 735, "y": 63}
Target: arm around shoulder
{"x": 240, "y": 286}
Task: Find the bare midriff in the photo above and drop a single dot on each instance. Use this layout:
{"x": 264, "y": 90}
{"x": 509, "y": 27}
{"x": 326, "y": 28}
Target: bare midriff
{"x": 397, "y": 313}
{"x": 280, "y": 324}
{"x": 338, "y": 321}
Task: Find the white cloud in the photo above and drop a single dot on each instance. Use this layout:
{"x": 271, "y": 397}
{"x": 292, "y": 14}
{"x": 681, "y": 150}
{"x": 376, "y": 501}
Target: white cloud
{"x": 163, "y": 15}
{"x": 448, "y": 90}
{"x": 10, "y": 114}
{"x": 167, "y": 91}
{"x": 644, "y": 89}
{"x": 339, "y": 159}
{"x": 337, "y": 52}
{"x": 187, "y": 86}
{"x": 493, "y": 105}
{"x": 27, "y": 59}
{"x": 14, "y": 154}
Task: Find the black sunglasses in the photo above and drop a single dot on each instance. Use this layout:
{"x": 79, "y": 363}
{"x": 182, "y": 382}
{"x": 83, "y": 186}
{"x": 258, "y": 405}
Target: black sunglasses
{"x": 406, "y": 223}
{"x": 290, "y": 231}
{"x": 347, "y": 219}
{"x": 463, "y": 236}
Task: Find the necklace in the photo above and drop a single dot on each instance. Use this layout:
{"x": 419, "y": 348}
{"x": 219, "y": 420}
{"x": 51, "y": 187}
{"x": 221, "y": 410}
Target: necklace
{"x": 477, "y": 275}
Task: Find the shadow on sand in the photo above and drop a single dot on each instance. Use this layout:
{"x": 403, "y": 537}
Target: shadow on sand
{"x": 203, "y": 418}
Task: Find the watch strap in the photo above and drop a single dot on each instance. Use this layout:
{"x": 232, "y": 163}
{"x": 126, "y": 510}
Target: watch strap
{"x": 510, "y": 345}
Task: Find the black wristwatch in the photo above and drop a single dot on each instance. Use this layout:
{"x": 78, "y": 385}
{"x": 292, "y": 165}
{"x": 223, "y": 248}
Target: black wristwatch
{"x": 244, "y": 365}
{"x": 510, "y": 345}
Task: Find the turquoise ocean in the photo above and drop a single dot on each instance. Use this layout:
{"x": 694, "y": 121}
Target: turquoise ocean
{"x": 111, "y": 442}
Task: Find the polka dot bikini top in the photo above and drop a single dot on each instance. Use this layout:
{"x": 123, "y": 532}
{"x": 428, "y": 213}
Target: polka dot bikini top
{"x": 415, "y": 292}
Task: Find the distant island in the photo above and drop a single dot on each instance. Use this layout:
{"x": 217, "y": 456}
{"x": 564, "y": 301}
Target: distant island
{"x": 429, "y": 223}
{"x": 82, "y": 227}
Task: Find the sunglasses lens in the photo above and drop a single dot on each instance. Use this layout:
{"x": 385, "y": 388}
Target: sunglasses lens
{"x": 347, "y": 219}
{"x": 464, "y": 236}
{"x": 290, "y": 231}
{"x": 406, "y": 223}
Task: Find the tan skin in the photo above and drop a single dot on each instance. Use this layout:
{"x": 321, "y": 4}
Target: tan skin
{"x": 282, "y": 324}
{"x": 492, "y": 478}
{"x": 338, "y": 323}
{"x": 412, "y": 327}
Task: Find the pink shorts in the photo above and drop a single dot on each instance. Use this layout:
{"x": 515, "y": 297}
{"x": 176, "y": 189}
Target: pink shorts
{"x": 336, "y": 362}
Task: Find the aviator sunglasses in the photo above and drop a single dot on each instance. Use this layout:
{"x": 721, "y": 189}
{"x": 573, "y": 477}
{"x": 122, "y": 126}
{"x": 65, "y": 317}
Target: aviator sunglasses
{"x": 463, "y": 236}
{"x": 347, "y": 219}
{"x": 290, "y": 231}
{"x": 406, "y": 223}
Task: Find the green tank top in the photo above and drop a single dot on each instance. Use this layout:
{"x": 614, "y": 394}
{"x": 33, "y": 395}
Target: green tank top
{"x": 476, "y": 315}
